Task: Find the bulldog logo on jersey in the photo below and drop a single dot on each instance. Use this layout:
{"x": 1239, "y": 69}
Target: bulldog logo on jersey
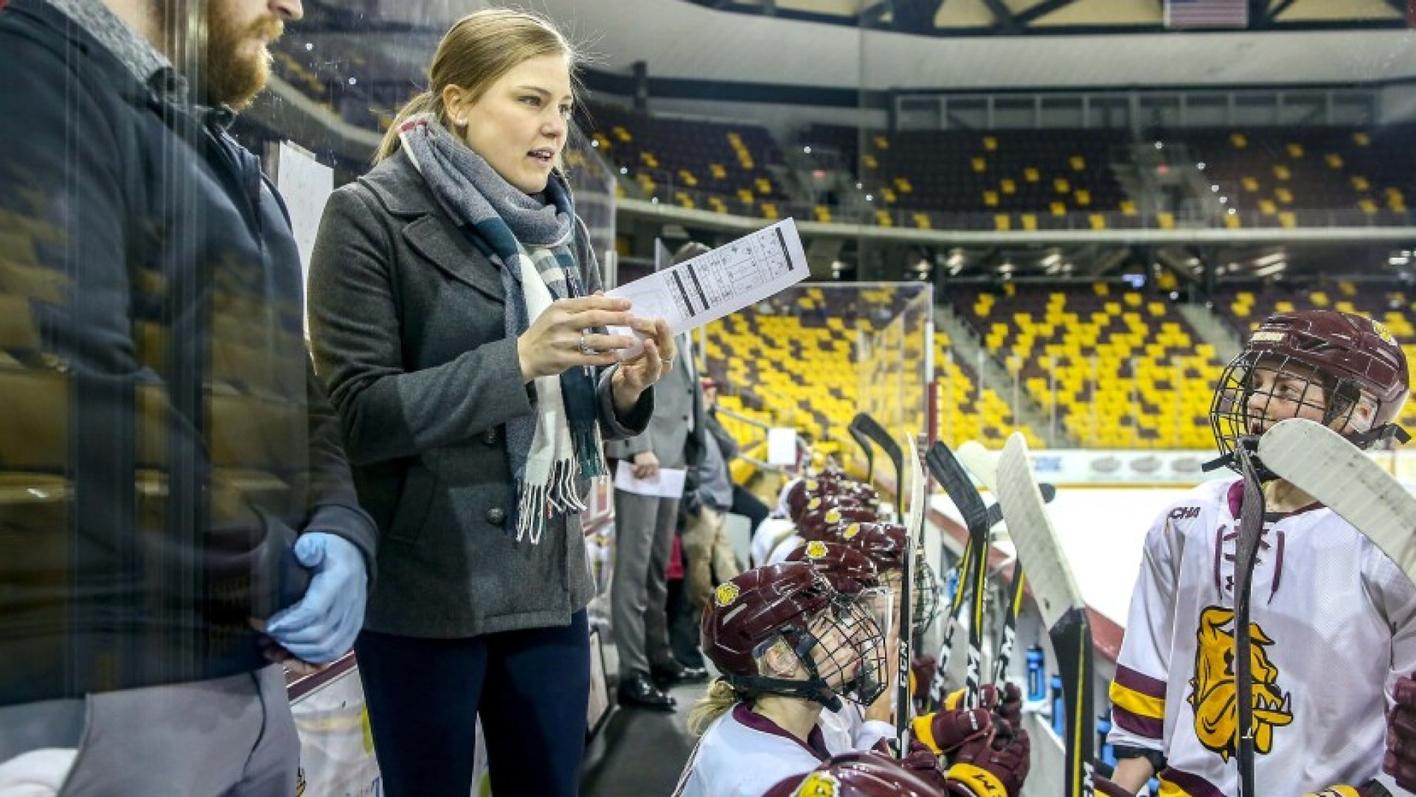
{"x": 726, "y": 593}
{"x": 833, "y": 515}
{"x": 818, "y": 784}
{"x": 1213, "y": 687}
{"x": 813, "y": 503}
{"x": 851, "y": 531}
{"x": 815, "y": 549}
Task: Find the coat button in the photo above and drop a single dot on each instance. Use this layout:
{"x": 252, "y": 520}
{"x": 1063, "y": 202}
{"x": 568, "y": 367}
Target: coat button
{"x": 490, "y": 436}
{"x": 496, "y": 516}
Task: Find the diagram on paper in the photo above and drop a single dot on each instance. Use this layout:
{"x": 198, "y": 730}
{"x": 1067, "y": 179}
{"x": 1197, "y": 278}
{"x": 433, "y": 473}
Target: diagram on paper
{"x": 720, "y": 282}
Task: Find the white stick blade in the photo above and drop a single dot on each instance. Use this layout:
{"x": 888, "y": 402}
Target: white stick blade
{"x": 1050, "y": 576}
{"x": 1323, "y": 464}
{"x": 980, "y": 462}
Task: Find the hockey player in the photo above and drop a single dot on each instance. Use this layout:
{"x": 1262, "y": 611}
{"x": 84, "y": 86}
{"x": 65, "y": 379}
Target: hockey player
{"x": 984, "y": 761}
{"x": 788, "y": 645}
{"x": 815, "y": 522}
{"x": 851, "y": 573}
{"x": 858, "y": 775}
{"x": 1333, "y": 620}
{"x": 885, "y": 544}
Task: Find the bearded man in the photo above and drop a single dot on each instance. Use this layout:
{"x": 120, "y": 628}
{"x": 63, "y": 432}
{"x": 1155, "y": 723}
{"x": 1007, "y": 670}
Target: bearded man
{"x": 176, "y": 514}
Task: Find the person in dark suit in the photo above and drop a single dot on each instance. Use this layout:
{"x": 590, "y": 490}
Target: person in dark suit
{"x": 455, "y": 315}
{"x": 644, "y": 535}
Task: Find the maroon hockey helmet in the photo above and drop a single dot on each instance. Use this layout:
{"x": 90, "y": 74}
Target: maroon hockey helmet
{"x": 848, "y": 570}
{"x": 811, "y": 493}
{"x": 817, "y": 523}
{"x": 885, "y": 544}
{"x": 835, "y": 640}
{"x": 1331, "y": 360}
{"x": 856, "y": 774}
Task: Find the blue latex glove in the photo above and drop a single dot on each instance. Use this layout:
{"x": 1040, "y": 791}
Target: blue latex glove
{"x": 323, "y": 625}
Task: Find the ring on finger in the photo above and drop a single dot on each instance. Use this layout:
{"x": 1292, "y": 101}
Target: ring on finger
{"x": 584, "y": 348}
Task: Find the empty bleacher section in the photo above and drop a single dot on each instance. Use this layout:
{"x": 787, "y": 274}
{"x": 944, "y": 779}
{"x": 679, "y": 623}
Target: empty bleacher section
{"x": 798, "y": 361}
{"x": 788, "y": 362}
{"x": 968, "y": 411}
{"x": 1008, "y": 179}
{"x": 1121, "y": 368}
{"x": 1005, "y": 180}
{"x": 1391, "y": 303}
{"x": 716, "y": 166}
{"x": 1309, "y": 176}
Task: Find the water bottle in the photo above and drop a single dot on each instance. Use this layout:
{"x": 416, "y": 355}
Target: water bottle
{"x": 1103, "y": 727}
{"x": 1059, "y": 708}
{"x": 1036, "y": 660}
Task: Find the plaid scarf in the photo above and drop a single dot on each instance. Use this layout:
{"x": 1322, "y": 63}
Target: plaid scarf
{"x": 529, "y": 240}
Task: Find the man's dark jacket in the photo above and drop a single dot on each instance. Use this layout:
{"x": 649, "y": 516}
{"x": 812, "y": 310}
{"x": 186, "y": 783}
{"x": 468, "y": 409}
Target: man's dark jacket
{"x": 162, "y": 437}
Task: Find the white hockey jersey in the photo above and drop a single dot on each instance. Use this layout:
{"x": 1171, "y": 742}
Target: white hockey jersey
{"x": 1333, "y": 624}
{"x": 848, "y": 729}
{"x": 743, "y": 754}
{"x": 770, "y": 533}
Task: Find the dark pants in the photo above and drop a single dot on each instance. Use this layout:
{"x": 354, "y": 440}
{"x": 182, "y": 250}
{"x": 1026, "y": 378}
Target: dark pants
{"x": 530, "y": 687}
{"x": 747, "y": 505}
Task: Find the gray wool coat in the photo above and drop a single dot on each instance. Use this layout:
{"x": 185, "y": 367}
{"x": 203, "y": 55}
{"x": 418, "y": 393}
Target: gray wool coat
{"x": 406, "y": 325}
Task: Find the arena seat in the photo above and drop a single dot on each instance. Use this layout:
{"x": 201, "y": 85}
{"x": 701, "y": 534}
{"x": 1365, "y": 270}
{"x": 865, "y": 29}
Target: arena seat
{"x": 682, "y": 160}
{"x": 966, "y": 413}
{"x": 1293, "y": 176}
{"x": 796, "y": 365}
{"x": 1123, "y": 369}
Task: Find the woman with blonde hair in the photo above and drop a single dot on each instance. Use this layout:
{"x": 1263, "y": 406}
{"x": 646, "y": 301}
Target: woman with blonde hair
{"x": 456, "y": 318}
{"x": 789, "y": 646}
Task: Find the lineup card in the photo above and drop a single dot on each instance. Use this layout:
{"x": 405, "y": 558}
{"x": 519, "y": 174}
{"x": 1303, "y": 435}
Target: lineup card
{"x": 719, "y": 282}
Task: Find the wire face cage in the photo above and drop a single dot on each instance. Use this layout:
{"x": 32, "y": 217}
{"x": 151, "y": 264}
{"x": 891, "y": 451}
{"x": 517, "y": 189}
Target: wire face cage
{"x": 849, "y": 651}
{"x": 926, "y": 591}
{"x": 1259, "y": 389}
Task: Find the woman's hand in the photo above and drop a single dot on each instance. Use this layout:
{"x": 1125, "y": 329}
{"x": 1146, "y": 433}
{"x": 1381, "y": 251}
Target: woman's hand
{"x": 635, "y": 374}
{"x": 559, "y": 340}
{"x": 646, "y": 465}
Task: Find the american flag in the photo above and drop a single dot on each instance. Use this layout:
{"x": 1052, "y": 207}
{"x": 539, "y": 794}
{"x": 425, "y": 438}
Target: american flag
{"x": 1206, "y": 13}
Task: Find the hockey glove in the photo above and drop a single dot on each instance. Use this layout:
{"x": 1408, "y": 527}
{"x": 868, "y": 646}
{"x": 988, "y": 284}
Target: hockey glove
{"x": 1400, "y": 759}
{"x": 991, "y": 765}
{"x": 944, "y": 732}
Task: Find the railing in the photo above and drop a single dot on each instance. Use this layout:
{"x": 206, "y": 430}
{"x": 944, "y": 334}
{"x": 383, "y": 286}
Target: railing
{"x": 669, "y": 188}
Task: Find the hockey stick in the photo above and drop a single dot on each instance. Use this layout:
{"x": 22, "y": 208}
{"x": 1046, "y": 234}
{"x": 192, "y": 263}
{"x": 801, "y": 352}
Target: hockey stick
{"x": 1323, "y": 464}
{"x": 869, "y": 428}
{"x": 1060, "y": 603}
{"x": 984, "y": 465}
{"x": 1251, "y": 533}
{"x": 864, "y": 443}
{"x": 955, "y": 480}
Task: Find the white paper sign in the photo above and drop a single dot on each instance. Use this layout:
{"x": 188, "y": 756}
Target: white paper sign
{"x": 781, "y": 446}
{"x": 667, "y": 483}
{"x": 719, "y": 282}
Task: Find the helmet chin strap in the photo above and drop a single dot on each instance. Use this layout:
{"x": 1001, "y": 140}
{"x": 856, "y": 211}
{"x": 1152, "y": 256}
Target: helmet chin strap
{"x": 814, "y": 689}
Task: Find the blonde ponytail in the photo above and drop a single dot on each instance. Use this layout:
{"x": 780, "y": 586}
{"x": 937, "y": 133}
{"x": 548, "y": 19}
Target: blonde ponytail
{"x": 719, "y": 700}
{"x": 421, "y": 103}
